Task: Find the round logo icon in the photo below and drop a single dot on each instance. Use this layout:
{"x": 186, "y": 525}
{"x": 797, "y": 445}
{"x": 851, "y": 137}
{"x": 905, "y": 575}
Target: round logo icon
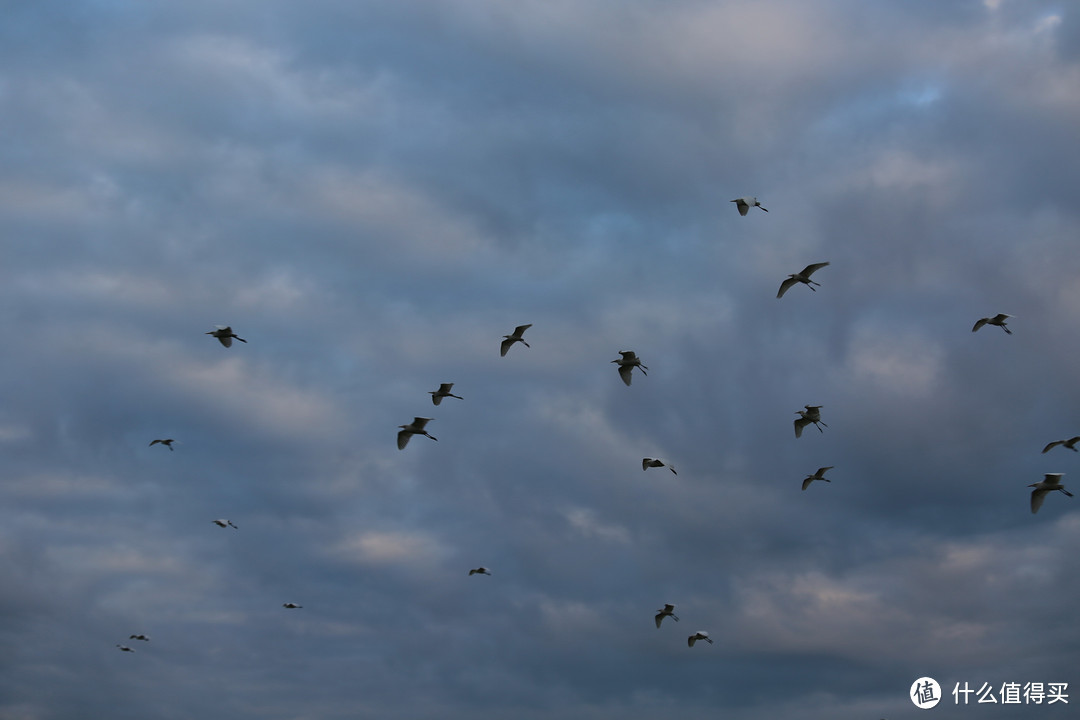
{"x": 925, "y": 693}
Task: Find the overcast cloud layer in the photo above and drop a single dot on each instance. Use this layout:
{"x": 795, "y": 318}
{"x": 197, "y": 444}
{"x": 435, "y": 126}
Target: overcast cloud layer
{"x": 372, "y": 194}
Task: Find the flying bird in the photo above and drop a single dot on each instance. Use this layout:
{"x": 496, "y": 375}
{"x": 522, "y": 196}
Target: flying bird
{"x": 647, "y": 463}
{"x": 819, "y": 475}
{"x": 1070, "y": 443}
{"x": 745, "y": 203}
{"x": 222, "y": 522}
{"x": 667, "y": 611}
{"x": 442, "y": 392}
{"x": 998, "y": 320}
{"x": 167, "y": 442}
{"x": 699, "y": 635}
{"x": 416, "y": 427}
{"x": 480, "y": 571}
{"x": 812, "y": 414}
{"x": 1052, "y": 481}
{"x": 291, "y": 606}
{"x": 509, "y": 340}
{"x": 225, "y": 335}
{"x": 144, "y": 638}
{"x": 803, "y": 276}
{"x": 124, "y": 648}
{"x": 627, "y": 363}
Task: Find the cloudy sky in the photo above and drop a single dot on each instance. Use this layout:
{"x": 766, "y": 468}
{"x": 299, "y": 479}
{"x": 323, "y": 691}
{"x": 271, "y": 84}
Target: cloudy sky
{"x": 372, "y": 194}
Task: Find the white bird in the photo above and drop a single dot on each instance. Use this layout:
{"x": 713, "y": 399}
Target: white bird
{"x": 1070, "y": 443}
{"x": 225, "y": 335}
{"x": 667, "y": 611}
{"x": 1052, "y": 481}
{"x": 699, "y": 635}
{"x": 291, "y": 606}
{"x": 819, "y": 475}
{"x": 803, "y": 276}
{"x": 647, "y": 463}
{"x": 480, "y": 571}
{"x": 222, "y": 522}
{"x": 627, "y": 363}
{"x": 416, "y": 427}
{"x": 812, "y": 414}
{"x": 442, "y": 392}
{"x": 167, "y": 442}
{"x": 998, "y": 320}
{"x": 509, "y": 340}
{"x": 124, "y": 648}
{"x": 144, "y": 638}
{"x": 745, "y": 203}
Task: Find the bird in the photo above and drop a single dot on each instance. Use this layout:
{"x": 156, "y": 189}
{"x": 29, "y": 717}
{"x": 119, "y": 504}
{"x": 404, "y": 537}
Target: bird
{"x": 647, "y": 463}
{"x": 167, "y": 442}
{"x": 699, "y": 635}
{"x": 745, "y": 203}
{"x": 509, "y": 340}
{"x": 627, "y": 363}
{"x": 480, "y": 571}
{"x": 291, "y": 606}
{"x": 416, "y": 427}
{"x": 443, "y": 391}
{"x": 225, "y": 335}
{"x": 998, "y": 320}
{"x": 124, "y": 648}
{"x": 1070, "y": 443}
{"x": 819, "y": 475}
{"x": 803, "y": 276}
{"x": 1052, "y": 481}
{"x": 667, "y": 611}
{"x": 139, "y": 637}
{"x": 222, "y": 522}
{"x": 812, "y": 414}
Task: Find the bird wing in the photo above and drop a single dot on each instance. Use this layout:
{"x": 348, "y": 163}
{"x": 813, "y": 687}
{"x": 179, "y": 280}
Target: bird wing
{"x": 403, "y": 439}
{"x": 979, "y": 323}
{"x": 785, "y": 286}
{"x": 693, "y": 638}
{"x": 743, "y": 206}
{"x": 1050, "y": 446}
{"x": 1052, "y": 478}
{"x": 646, "y": 463}
{"x": 521, "y": 329}
{"x": 1037, "y": 497}
{"x": 505, "y": 346}
{"x": 155, "y": 442}
{"x": 821, "y": 471}
{"x": 811, "y": 269}
{"x": 659, "y": 619}
{"x": 225, "y": 340}
{"x": 436, "y": 398}
{"x": 419, "y": 422}
{"x": 445, "y": 387}
{"x": 806, "y": 481}
{"x": 626, "y": 373}
{"x": 799, "y": 425}
{"x": 1001, "y": 317}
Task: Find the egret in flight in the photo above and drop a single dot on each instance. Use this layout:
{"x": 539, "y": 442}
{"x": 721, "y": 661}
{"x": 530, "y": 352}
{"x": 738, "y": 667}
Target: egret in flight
{"x": 819, "y": 475}
{"x": 812, "y": 414}
{"x": 509, "y": 340}
{"x": 745, "y": 203}
{"x": 416, "y": 427}
{"x": 627, "y": 363}
{"x": 479, "y": 571}
{"x": 225, "y": 335}
{"x": 167, "y": 442}
{"x": 803, "y": 276}
{"x": 1070, "y": 443}
{"x": 144, "y": 638}
{"x": 699, "y": 635}
{"x": 442, "y": 392}
{"x": 647, "y": 463}
{"x": 667, "y": 611}
{"x": 998, "y": 320}
{"x": 124, "y": 648}
{"x": 291, "y": 606}
{"x": 222, "y": 522}
{"x": 1052, "y": 481}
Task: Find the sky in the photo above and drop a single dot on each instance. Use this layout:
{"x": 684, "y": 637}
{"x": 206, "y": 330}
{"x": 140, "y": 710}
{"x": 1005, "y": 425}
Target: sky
{"x": 372, "y": 194}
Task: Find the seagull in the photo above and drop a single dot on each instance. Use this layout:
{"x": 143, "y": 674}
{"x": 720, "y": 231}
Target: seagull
{"x": 699, "y": 635}
{"x": 1052, "y": 481}
{"x": 124, "y": 648}
{"x": 416, "y": 427}
{"x": 225, "y": 334}
{"x": 1070, "y": 443}
{"x": 667, "y": 611}
{"x": 803, "y": 276}
{"x": 480, "y": 571}
{"x": 627, "y": 363}
{"x": 509, "y": 340}
{"x": 998, "y": 320}
{"x": 139, "y": 637}
{"x": 291, "y": 606}
{"x": 819, "y": 475}
{"x": 812, "y": 414}
{"x": 443, "y": 391}
{"x": 745, "y": 203}
{"x": 647, "y": 463}
{"x": 224, "y": 523}
{"x": 167, "y": 442}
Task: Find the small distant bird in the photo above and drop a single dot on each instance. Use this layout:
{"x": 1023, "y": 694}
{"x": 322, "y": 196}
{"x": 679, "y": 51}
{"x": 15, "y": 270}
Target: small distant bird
{"x": 803, "y": 276}
{"x": 667, "y": 611}
{"x": 222, "y": 522}
{"x": 225, "y": 335}
{"x": 124, "y": 648}
{"x": 442, "y": 392}
{"x": 819, "y": 475}
{"x": 416, "y": 427}
{"x": 167, "y": 442}
{"x": 998, "y": 320}
{"x": 139, "y": 637}
{"x": 627, "y": 363}
{"x": 812, "y": 414}
{"x": 291, "y": 606}
{"x": 1070, "y": 443}
{"x": 1051, "y": 481}
{"x": 699, "y": 635}
{"x": 509, "y": 340}
{"x": 480, "y": 571}
{"x": 745, "y": 203}
{"x": 647, "y": 463}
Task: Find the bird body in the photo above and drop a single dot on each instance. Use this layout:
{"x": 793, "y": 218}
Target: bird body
{"x": 291, "y": 606}
{"x": 124, "y": 648}
{"x": 509, "y": 340}
{"x": 803, "y": 276}
{"x": 416, "y": 427}
{"x": 812, "y": 414}
{"x": 699, "y": 635}
{"x": 647, "y": 463}
{"x": 480, "y": 571}
{"x": 1049, "y": 483}
{"x": 223, "y": 522}
{"x": 819, "y": 475}
{"x": 667, "y": 611}
{"x": 745, "y": 203}
{"x": 998, "y": 320}
{"x": 443, "y": 391}
{"x": 167, "y": 442}
{"x": 225, "y": 335}
{"x": 144, "y": 638}
{"x": 1070, "y": 443}
{"x": 627, "y": 363}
